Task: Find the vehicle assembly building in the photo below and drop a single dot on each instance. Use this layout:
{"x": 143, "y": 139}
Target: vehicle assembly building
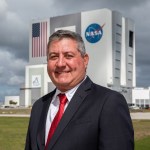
{"x": 109, "y": 40}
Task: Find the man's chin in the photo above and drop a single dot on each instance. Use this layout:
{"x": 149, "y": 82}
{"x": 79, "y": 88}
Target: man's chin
{"x": 63, "y": 86}
{"x": 63, "y": 83}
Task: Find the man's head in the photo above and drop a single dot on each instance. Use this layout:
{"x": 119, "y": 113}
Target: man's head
{"x": 66, "y": 59}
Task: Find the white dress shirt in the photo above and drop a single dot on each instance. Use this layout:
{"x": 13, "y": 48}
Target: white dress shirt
{"x": 54, "y": 106}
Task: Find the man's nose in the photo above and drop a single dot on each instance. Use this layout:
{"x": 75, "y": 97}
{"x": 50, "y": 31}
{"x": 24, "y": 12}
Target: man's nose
{"x": 61, "y": 61}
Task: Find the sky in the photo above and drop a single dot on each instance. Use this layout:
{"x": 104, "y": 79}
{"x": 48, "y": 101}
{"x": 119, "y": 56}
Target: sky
{"x": 15, "y": 19}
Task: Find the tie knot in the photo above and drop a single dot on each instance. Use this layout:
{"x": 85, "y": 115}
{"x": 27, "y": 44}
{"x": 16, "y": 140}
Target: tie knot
{"x": 62, "y": 98}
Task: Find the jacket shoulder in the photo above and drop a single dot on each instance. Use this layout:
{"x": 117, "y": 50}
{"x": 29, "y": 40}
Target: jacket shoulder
{"x": 40, "y": 102}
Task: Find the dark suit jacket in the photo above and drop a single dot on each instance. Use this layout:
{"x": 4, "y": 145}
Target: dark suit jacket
{"x": 97, "y": 118}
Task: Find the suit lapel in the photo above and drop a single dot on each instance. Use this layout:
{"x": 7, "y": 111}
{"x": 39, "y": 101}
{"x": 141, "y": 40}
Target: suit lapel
{"x": 42, "y": 123}
{"x": 72, "y": 108}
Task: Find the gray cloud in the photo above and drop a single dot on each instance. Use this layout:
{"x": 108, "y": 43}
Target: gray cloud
{"x": 14, "y": 32}
{"x": 10, "y": 68}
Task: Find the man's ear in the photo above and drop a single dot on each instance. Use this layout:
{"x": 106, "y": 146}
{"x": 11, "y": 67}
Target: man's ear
{"x": 86, "y": 60}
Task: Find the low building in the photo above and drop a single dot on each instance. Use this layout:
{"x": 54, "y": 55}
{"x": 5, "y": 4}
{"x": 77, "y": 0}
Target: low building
{"x": 141, "y": 97}
{"x": 12, "y": 101}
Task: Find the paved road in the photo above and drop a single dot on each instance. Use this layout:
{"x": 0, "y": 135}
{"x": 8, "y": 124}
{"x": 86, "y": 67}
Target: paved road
{"x": 137, "y": 115}
{"x": 14, "y": 115}
{"x": 140, "y": 115}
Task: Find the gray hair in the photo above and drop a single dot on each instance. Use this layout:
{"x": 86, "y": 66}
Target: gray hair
{"x": 60, "y": 34}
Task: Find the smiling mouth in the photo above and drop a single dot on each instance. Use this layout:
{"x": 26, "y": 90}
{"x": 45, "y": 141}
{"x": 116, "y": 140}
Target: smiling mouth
{"x": 61, "y": 72}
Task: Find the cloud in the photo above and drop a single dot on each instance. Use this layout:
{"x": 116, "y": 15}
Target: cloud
{"x": 143, "y": 75}
{"x": 8, "y": 91}
{"x": 11, "y": 67}
{"x": 33, "y": 9}
{"x": 16, "y": 80}
{"x": 13, "y": 31}
{"x": 3, "y": 8}
{"x": 12, "y": 71}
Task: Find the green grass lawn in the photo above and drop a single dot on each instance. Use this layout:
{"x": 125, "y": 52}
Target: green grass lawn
{"x": 13, "y": 133}
{"x": 142, "y": 134}
{"x": 143, "y": 144}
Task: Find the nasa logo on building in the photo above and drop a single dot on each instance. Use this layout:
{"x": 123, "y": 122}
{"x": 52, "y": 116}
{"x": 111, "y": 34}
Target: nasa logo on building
{"x": 94, "y": 33}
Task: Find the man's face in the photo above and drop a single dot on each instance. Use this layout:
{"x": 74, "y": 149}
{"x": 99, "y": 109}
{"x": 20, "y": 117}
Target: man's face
{"x": 66, "y": 67}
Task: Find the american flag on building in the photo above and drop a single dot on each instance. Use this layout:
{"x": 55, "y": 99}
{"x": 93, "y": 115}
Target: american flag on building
{"x": 39, "y": 39}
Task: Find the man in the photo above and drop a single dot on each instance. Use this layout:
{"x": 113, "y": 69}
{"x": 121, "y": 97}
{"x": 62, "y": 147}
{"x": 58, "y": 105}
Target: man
{"x": 93, "y": 118}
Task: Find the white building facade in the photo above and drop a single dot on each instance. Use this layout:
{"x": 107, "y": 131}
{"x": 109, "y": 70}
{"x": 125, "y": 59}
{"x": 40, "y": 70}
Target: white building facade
{"x": 12, "y": 101}
{"x": 141, "y": 97}
{"x": 109, "y": 40}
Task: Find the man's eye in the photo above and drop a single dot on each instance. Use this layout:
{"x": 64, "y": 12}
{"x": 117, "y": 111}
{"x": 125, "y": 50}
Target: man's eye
{"x": 53, "y": 57}
{"x": 68, "y": 56}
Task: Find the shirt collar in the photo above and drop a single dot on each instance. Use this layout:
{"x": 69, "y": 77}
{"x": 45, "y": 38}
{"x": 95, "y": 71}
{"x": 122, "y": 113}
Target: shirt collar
{"x": 69, "y": 94}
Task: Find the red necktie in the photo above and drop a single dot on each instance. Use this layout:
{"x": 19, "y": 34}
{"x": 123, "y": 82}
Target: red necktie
{"x": 63, "y": 101}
